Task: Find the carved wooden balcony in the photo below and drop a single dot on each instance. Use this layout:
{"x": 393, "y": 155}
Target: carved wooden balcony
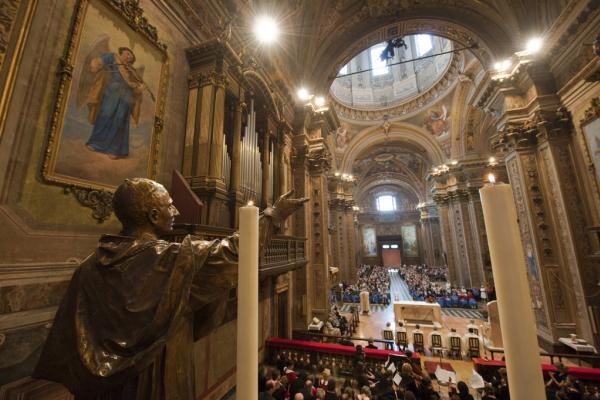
{"x": 282, "y": 254}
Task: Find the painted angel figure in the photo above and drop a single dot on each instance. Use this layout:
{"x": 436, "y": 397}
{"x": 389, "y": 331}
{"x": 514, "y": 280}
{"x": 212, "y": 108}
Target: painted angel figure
{"x": 112, "y": 89}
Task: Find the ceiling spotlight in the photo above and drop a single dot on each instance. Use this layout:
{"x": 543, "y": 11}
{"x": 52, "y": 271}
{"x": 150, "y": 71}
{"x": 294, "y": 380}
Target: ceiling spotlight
{"x": 533, "y": 45}
{"x": 303, "y": 94}
{"x": 319, "y": 101}
{"x": 266, "y": 29}
{"x": 492, "y": 160}
{"x": 337, "y": 174}
{"x": 502, "y": 66}
{"x": 454, "y": 162}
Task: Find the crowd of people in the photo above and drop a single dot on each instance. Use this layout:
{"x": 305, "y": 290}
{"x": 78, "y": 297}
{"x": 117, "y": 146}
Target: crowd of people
{"x": 562, "y": 386}
{"x": 299, "y": 380}
{"x": 371, "y": 278}
{"x": 430, "y": 284}
{"x": 287, "y": 382}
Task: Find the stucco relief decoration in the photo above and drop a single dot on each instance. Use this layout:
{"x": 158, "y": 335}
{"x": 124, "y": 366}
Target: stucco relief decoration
{"x": 108, "y": 113}
{"x": 8, "y": 14}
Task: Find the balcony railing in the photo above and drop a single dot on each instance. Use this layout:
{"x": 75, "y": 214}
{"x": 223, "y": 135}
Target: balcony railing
{"x": 282, "y": 254}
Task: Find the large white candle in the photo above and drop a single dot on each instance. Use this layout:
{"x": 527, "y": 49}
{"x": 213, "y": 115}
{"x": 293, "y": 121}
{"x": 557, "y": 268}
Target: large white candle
{"x": 519, "y": 333}
{"x": 247, "y": 312}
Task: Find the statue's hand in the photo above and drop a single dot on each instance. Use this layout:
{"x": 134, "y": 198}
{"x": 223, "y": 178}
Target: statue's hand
{"x": 286, "y": 206}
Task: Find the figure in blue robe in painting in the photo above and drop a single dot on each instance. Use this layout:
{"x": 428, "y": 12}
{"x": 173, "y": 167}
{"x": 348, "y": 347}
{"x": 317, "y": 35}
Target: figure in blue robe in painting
{"x": 112, "y": 89}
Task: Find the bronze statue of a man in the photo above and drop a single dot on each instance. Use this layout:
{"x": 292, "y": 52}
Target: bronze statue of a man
{"x": 124, "y": 329}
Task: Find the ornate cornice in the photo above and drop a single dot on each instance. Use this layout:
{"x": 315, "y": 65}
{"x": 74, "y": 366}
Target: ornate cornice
{"x": 541, "y": 126}
{"x": 134, "y": 14}
{"x": 319, "y": 160}
{"x": 592, "y": 112}
{"x": 441, "y": 199}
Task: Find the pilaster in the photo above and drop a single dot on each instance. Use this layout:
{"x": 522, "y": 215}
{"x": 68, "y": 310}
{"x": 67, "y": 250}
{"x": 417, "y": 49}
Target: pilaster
{"x": 210, "y": 65}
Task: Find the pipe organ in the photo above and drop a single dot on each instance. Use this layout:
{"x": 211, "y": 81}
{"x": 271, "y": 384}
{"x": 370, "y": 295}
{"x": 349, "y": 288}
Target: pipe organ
{"x": 272, "y": 177}
{"x": 251, "y": 171}
{"x": 226, "y": 164}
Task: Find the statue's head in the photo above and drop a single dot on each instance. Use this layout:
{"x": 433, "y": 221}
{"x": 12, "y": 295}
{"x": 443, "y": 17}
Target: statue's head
{"x": 144, "y": 205}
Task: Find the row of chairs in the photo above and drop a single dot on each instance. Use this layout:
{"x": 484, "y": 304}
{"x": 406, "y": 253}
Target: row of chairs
{"x": 436, "y": 345}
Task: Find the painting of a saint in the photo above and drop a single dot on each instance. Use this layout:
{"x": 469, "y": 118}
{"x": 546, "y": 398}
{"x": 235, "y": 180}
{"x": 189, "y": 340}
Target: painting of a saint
{"x": 437, "y": 122}
{"x": 106, "y": 129}
{"x": 409, "y": 241}
{"x": 112, "y": 90}
{"x": 370, "y": 241}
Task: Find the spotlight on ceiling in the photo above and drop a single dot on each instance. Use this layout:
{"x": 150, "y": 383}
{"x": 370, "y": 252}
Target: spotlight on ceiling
{"x": 319, "y": 101}
{"x": 533, "y": 45}
{"x": 266, "y": 29}
{"x": 502, "y": 66}
{"x": 303, "y": 94}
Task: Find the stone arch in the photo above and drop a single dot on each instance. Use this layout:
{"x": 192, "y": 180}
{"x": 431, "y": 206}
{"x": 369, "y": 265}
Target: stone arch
{"x": 258, "y": 83}
{"x": 388, "y": 180}
{"x": 398, "y": 132}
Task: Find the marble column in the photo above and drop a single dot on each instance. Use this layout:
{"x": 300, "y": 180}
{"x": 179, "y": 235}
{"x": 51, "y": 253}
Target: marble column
{"x": 300, "y": 225}
{"x": 442, "y": 201}
{"x": 318, "y": 161}
{"x": 540, "y": 168}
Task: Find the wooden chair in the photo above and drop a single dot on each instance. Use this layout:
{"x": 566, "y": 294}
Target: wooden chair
{"x": 418, "y": 342}
{"x": 473, "y": 347}
{"x": 388, "y": 335}
{"x": 401, "y": 340}
{"x": 436, "y": 344}
{"x": 455, "y": 347}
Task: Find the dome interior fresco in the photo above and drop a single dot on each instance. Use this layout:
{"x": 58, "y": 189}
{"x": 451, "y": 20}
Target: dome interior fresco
{"x": 366, "y": 82}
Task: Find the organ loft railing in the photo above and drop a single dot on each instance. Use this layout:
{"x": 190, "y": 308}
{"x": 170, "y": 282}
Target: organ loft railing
{"x": 282, "y": 253}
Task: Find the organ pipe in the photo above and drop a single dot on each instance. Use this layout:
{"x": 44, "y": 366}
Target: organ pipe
{"x": 225, "y": 164}
{"x": 251, "y": 174}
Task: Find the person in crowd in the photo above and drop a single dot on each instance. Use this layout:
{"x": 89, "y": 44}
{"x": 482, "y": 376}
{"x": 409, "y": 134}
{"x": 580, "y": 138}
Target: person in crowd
{"x": 269, "y": 389}
{"x": 298, "y": 396}
{"x": 281, "y": 390}
{"x": 488, "y": 392}
{"x": 371, "y": 344}
{"x": 463, "y": 391}
{"x": 500, "y": 384}
{"x": 330, "y": 392}
{"x": 308, "y": 391}
{"x": 426, "y": 391}
{"x": 290, "y": 373}
{"x": 409, "y": 378}
{"x": 365, "y": 393}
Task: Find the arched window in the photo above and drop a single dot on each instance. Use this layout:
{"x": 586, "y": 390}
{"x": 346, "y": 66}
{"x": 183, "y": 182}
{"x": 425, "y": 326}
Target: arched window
{"x": 379, "y": 66}
{"x": 386, "y": 202}
{"x": 424, "y": 44}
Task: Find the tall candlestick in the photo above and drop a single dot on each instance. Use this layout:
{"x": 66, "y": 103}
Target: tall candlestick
{"x": 247, "y": 315}
{"x": 519, "y": 333}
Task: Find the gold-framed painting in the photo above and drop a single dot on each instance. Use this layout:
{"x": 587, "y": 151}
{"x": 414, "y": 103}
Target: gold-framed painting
{"x": 590, "y": 125}
{"x": 108, "y": 113}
